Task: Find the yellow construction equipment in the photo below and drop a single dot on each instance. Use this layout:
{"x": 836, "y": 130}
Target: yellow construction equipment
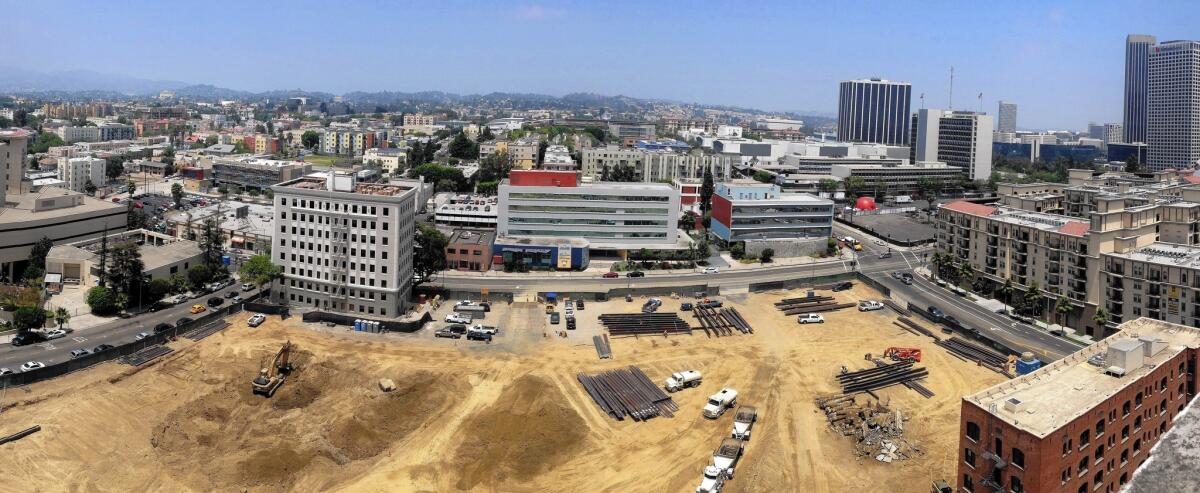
{"x": 271, "y": 378}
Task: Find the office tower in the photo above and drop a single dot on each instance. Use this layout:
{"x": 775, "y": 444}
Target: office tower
{"x": 1137, "y": 52}
{"x": 1173, "y": 123}
{"x": 1114, "y": 133}
{"x": 1095, "y": 130}
{"x": 1007, "y": 118}
{"x": 874, "y": 111}
{"x": 957, "y": 138}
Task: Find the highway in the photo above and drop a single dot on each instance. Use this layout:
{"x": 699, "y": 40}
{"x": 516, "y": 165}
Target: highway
{"x": 116, "y": 332}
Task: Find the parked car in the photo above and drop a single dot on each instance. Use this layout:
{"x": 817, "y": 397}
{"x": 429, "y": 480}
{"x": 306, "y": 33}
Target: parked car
{"x": 32, "y": 365}
{"x": 636, "y": 273}
{"x": 936, "y": 312}
{"x": 611, "y": 275}
{"x": 5, "y": 371}
{"x": 709, "y": 270}
{"x": 198, "y": 309}
{"x": 28, "y": 338}
{"x": 579, "y": 304}
{"x": 160, "y": 328}
{"x": 446, "y": 332}
{"x": 215, "y": 302}
{"x": 554, "y": 318}
{"x": 256, "y": 320}
{"x": 811, "y": 318}
{"x": 79, "y": 352}
{"x": 230, "y": 294}
{"x": 478, "y": 336}
{"x": 247, "y": 286}
{"x": 570, "y": 323}
{"x": 951, "y": 321}
{"x": 141, "y": 335}
{"x": 101, "y": 348}
{"x": 710, "y": 304}
{"x": 869, "y": 305}
{"x": 56, "y": 334}
{"x": 487, "y": 329}
{"x": 842, "y": 286}
{"x": 685, "y": 307}
{"x": 458, "y": 318}
{"x": 183, "y": 321}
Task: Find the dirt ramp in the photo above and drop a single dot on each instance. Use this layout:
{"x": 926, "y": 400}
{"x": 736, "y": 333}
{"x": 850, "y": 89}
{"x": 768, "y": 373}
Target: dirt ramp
{"x": 385, "y": 418}
{"x": 529, "y": 430}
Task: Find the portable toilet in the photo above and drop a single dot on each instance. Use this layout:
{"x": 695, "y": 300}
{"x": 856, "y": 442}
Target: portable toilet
{"x": 358, "y": 325}
{"x": 225, "y": 260}
{"x": 1027, "y": 363}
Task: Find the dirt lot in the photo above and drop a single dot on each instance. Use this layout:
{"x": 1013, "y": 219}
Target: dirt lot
{"x": 476, "y": 417}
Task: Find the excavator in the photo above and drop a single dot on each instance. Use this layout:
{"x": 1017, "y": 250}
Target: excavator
{"x": 271, "y": 378}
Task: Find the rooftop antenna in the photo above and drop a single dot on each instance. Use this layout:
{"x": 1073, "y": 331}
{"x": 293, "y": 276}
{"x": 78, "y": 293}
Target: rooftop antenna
{"x": 952, "y": 88}
{"x": 981, "y": 103}
{"x": 922, "y": 100}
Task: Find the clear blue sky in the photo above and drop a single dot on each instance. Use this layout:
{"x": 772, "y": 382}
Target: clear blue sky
{"x": 1061, "y": 62}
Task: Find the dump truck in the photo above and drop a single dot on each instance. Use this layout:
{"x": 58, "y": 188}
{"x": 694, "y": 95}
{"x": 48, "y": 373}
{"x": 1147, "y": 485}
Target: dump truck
{"x": 682, "y": 379}
{"x": 272, "y": 377}
{"x": 713, "y": 482}
{"x": 743, "y": 421}
{"x": 726, "y": 456}
{"x": 719, "y": 402}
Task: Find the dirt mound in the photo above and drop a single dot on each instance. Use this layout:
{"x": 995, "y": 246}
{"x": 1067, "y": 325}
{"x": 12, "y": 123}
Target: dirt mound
{"x": 527, "y": 431}
{"x": 387, "y": 417}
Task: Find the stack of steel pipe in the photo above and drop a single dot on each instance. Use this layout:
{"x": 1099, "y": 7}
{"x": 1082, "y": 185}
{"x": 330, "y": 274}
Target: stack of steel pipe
{"x": 712, "y": 323}
{"x": 895, "y": 306}
{"x": 736, "y": 319}
{"x": 880, "y": 377}
{"x": 628, "y": 392}
{"x": 805, "y": 299}
{"x": 914, "y": 326}
{"x": 603, "y": 350}
{"x": 974, "y": 352}
{"x": 912, "y": 384}
{"x": 644, "y": 323}
{"x": 820, "y": 307}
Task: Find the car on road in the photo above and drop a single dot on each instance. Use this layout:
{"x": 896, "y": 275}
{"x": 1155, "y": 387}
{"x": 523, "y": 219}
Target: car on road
{"x": 709, "y": 270}
{"x": 897, "y": 275}
{"x": 230, "y": 294}
{"x": 79, "y": 352}
{"x": 256, "y": 320}
{"x": 28, "y": 338}
{"x": 869, "y": 305}
{"x": 5, "y": 371}
{"x": 197, "y": 309}
{"x": 141, "y": 335}
{"x": 879, "y": 242}
{"x": 458, "y": 318}
{"x": 102, "y": 348}
{"x": 636, "y": 273}
{"x": 183, "y": 321}
{"x": 247, "y": 286}
{"x": 554, "y": 318}
{"x": 215, "y": 302}
{"x": 32, "y": 365}
{"x": 446, "y": 332}
{"x": 842, "y": 286}
{"x": 936, "y": 312}
{"x": 685, "y": 307}
{"x": 811, "y": 318}
{"x": 951, "y": 321}
{"x": 56, "y": 334}
{"x": 163, "y": 327}
{"x": 610, "y": 275}
{"x": 236, "y": 299}
{"x": 887, "y": 254}
{"x": 907, "y": 279}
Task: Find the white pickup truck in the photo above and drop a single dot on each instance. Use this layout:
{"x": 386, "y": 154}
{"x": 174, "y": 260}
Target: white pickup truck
{"x": 719, "y": 402}
{"x": 743, "y": 421}
{"x": 682, "y": 379}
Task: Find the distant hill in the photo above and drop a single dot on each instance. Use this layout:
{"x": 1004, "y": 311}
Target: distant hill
{"x": 16, "y": 80}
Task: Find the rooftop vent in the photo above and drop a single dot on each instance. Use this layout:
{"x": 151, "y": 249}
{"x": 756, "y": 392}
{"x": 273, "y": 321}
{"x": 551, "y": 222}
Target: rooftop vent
{"x": 1151, "y": 346}
{"x": 1014, "y": 405}
{"x": 1124, "y": 356}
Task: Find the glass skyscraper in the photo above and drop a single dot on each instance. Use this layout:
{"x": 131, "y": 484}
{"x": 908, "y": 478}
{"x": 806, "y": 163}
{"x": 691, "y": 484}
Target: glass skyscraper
{"x": 874, "y": 111}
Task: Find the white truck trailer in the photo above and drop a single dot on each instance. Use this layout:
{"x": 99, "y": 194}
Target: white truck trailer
{"x": 743, "y": 421}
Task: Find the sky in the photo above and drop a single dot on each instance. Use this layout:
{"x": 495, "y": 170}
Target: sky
{"x": 1061, "y": 62}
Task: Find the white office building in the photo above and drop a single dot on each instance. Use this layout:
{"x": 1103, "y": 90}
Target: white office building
{"x": 1007, "y": 121}
{"x": 345, "y": 246}
{"x": 77, "y": 172}
{"x": 957, "y": 138}
{"x": 655, "y": 165}
{"x": 1173, "y": 118}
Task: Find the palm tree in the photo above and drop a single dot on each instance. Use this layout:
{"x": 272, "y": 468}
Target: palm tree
{"x": 61, "y": 316}
{"x": 938, "y": 261}
{"x": 1062, "y": 307}
{"x": 1101, "y": 317}
{"x": 1034, "y": 299}
{"x": 966, "y": 271}
{"x": 1007, "y": 290}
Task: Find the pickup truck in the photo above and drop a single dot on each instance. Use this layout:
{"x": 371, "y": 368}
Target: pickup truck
{"x": 869, "y": 305}
{"x": 811, "y": 318}
{"x": 743, "y": 421}
{"x": 719, "y": 402}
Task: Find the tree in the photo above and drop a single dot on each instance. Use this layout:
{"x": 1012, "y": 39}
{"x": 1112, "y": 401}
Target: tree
{"x": 5, "y": 122}
{"x": 541, "y": 156}
{"x": 179, "y": 283}
{"x": 132, "y": 186}
{"x": 126, "y": 275}
{"x": 1062, "y": 307}
{"x": 429, "y": 256}
{"x": 854, "y": 185}
{"x": 688, "y": 221}
{"x": 494, "y": 167}
{"x": 966, "y": 271}
{"x": 1101, "y": 317}
{"x": 27, "y": 318}
{"x": 37, "y": 256}
{"x": 89, "y": 187}
{"x": 102, "y": 301}
{"x": 20, "y": 118}
{"x": 737, "y": 249}
{"x": 1007, "y": 290}
{"x": 199, "y": 275}
{"x": 1034, "y": 299}
{"x": 766, "y": 255}
{"x": 604, "y": 174}
{"x": 436, "y": 173}
{"x": 156, "y": 290}
{"x": 44, "y": 142}
{"x": 1131, "y": 164}
{"x": 212, "y": 244}
{"x": 259, "y": 270}
{"x": 487, "y": 187}
{"x": 828, "y": 186}
{"x": 177, "y": 193}
{"x": 103, "y": 264}
{"x": 706, "y": 192}
{"x": 763, "y": 177}
{"x": 463, "y": 148}
{"x": 61, "y": 316}
{"x": 486, "y": 134}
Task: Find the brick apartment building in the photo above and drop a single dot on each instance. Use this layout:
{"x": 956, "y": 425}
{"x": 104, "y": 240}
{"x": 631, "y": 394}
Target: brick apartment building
{"x": 470, "y": 250}
{"x": 1084, "y": 423}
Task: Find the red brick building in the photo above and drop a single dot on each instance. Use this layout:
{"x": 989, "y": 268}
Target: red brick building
{"x": 470, "y": 250}
{"x": 1084, "y": 423}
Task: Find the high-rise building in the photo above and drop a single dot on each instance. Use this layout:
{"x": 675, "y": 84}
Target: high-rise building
{"x": 1173, "y": 117}
{"x": 13, "y": 146}
{"x": 1114, "y": 133}
{"x": 1007, "y": 117}
{"x": 1095, "y": 130}
{"x": 957, "y": 138}
{"x": 874, "y": 111}
{"x": 1137, "y": 75}
{"x": 345, "y": 246}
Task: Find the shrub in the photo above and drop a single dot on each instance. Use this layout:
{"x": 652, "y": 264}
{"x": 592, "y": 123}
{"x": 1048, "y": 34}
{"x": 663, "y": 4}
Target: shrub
{"x": 102, "y": 300}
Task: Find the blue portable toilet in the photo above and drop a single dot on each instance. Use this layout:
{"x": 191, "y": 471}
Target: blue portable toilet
{"x": 225, "y": 260}
{"x": 357, "y": 325}
{"x": 1027, "y": 363}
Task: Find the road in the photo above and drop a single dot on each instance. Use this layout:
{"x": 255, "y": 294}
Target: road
{"x": 117, "y": 332}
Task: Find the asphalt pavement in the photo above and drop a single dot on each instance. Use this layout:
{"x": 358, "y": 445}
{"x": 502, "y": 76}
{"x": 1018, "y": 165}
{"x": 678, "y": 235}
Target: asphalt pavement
{"x": 115, "y": 333}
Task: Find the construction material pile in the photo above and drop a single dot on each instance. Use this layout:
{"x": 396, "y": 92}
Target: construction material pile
{"x": 911, "y": 326}
{"x": 976, "y": 353}
{"x": 809, "y": 304}
{"x": 603, "y": 349}
{"x": 628, "y": 392}
{"x": 912, "y": 384}
{"x": 624, "y": 324}
{"x": 722, "y": 322}
{"x": 881, "y": 376}
{"x": 877, "y": 429}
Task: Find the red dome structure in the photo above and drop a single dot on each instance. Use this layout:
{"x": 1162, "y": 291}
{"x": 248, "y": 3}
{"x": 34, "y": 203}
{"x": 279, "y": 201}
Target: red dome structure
{"x": 865, "y": 204}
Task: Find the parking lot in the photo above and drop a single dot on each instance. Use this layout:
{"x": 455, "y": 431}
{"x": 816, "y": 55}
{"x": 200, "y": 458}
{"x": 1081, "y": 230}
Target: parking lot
{"x": 900, "y": 227}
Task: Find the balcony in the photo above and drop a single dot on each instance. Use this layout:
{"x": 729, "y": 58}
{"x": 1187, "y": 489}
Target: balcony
{"x": 1077, "y": 286}
{"x": 1054, "y": 269}
{"x": 991, "y": 251}
{"x": 992, "y": 241}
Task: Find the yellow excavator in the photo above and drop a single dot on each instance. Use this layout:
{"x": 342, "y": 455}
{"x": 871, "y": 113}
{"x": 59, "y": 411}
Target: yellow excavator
{"x": 271, "y": 378}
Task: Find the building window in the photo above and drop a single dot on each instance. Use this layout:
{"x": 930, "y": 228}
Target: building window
{"x": 972, "y": 431}
{"x": 1099, "y": 427}
{"x": 1084, "y": 439}
{"x": 1083, "y": 465}
{"x": 1014, "y": 485}
{"x": 1018, "y": 458}
{"x": 1125, "y": 433}
{"x": 968, "y": 484}
{"x": 969, "y": 457}
{"x": 1125, "y": 409}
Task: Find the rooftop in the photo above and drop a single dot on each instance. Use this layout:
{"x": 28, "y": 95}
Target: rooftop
{"x": 1051, "y": 397}
{"x": 317, "y": 182}
{"x": 472, "y": 237}
{"x": 1174, "y": 460}
{"x": 32, "y": 206}
{"x": 1164, "y": 254}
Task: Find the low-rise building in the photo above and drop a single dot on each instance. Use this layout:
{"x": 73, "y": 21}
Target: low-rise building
{"x": 256, "y": 172}
{"x": 745, "y": 210}
{"x": 77, "y": 172}
{"x": 62, "y": 215}
{"x": 470, "y": 250}
{"x": 389, "y": 159}
{"x": 469, "y": 211}
{"x": 162, "y": 257}
{"x": 558, "y": 158}
{"x": 612, "y": 217}
{"x": 523, "y": 152}
{"x": 655, "y": 166}
{"x": 1083, "y": 423}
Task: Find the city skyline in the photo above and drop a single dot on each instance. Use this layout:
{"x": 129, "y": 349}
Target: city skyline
{"x": 1063, "y": 68}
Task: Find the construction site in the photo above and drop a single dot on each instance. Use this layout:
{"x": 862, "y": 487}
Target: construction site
{"x": 840, "y": 405}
